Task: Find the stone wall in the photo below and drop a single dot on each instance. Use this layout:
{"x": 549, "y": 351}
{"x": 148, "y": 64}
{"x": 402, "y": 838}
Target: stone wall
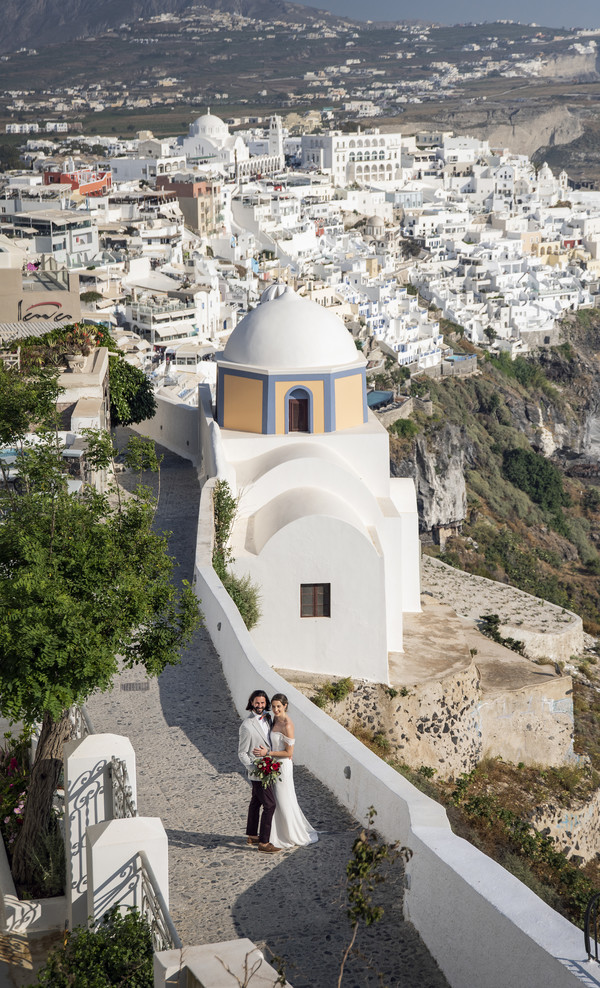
{"x": 547, "y": 630}
{"x": 576, "y": 829}
{"x": 558, "y": 644}
{"x": 450, "y": 725}
{"x": 409, "y": 405}
{"x": 530, "y": 725}
{"x": 434, "y": 724}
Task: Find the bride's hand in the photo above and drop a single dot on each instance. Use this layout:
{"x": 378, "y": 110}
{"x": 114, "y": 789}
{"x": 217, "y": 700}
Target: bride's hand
{"x": 259, "y": 752}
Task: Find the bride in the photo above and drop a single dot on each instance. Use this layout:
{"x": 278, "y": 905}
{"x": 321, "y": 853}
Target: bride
{"x": 290, "y": 827}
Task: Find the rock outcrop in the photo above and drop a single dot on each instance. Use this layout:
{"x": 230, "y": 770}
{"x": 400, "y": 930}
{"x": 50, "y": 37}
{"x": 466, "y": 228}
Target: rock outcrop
{"x": 437, "y": 468}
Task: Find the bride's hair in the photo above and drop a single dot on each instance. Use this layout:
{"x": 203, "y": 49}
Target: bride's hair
{"x": 282, "y": 699}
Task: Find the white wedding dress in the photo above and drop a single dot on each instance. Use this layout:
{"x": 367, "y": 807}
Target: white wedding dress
{"x": 290, "y": 827}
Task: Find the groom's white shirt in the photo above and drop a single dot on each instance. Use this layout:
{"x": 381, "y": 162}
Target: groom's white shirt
{"x": 253, "y": 734}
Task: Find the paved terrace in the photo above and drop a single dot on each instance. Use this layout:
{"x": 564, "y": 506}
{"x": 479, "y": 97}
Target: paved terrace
{"x": 184, "y": 731}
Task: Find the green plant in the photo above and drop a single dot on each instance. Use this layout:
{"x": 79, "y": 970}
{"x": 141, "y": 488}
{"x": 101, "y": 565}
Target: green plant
{"x": 48, "y": 864}
{"x": 90, "y": 296}
{"x": 244, "y": 593}
{"x": 118, "y": 952}
{"x": 14, "y": 780}
{"x": 333, "y": 692}
{"x": 391, "y": 692}
{"x": 532, "y": 473}
{"x": 131, "y": 393}
{"x": 427, "y": 771}
{"x": 224, "y": 508}
{"x": 591, "y": 500}
{"x": 404, "y": 428}
{"x": 365, "y": 871}
{"x": 382, "y": 743}
{"x": 489, "y": 625}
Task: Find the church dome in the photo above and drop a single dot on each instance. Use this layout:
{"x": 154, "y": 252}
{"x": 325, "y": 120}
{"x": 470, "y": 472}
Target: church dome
{"x": 286, "y": 332}
{"x": 208, "y": 125}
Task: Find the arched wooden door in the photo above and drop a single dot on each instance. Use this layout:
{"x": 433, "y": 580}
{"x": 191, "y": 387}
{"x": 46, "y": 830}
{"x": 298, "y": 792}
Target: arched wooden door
{"x": 298, "y": 411}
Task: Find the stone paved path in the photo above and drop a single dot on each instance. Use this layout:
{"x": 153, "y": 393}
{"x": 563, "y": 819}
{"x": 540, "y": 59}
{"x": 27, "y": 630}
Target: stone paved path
{"x": 184, "y": 731}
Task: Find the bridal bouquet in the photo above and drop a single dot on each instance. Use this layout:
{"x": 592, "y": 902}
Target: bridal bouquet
{"x": 267, "y": 770}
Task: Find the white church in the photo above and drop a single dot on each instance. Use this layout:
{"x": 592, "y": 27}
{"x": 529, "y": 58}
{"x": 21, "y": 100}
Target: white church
{"x": 330, "y": 539}
{"x": 209, "y": 143}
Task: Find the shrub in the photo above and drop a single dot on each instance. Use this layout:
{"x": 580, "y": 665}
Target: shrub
{"x": 529, "y": 375}
{"x": 404, "y": 428}
{"x": 119, "y": 952}
{"x": 591, "y": 499}
{"x": 14, "y": 779}
{"x": 333, "y": 692}
{"x": 49, "y": 868}
{"x": 532, "y": 473}
{"x": 244, "y": 593}
{"x": 490, "y": 627}
{"x": 381, "y": 742}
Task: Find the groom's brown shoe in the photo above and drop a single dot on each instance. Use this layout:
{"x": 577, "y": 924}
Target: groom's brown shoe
{"x": 268, "y": 848}
{"x": 252, "y": 840}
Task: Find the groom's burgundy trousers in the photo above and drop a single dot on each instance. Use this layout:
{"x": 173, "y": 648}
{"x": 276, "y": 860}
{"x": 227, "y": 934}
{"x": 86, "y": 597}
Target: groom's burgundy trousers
{"x": 264, "y": 798}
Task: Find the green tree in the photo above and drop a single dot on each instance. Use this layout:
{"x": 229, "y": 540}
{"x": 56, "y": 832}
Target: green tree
{"x": 83, "y": 580}
{"x": 24, "y": 400}
{"x": 131, "y": 394}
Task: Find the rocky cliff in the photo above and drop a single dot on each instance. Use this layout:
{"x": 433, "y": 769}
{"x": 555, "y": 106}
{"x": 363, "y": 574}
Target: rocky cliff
{"x": 543, "y": 411}
{"x": 521, "y": 127}
{"x": 436, "y": 464}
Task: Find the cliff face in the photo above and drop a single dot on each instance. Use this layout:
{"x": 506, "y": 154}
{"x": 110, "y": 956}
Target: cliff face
{"x": 536, "y": 526}
{"x": 562, "y": 423}
{"x": 437, "y": 467}
{"x": 520, "y": 127}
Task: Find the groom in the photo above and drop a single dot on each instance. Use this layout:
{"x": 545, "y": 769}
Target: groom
{"x": 255, "y": 732}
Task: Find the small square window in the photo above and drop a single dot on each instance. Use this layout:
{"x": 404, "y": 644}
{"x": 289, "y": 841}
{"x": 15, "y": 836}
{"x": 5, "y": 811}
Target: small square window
{"x": 315, "y": 600}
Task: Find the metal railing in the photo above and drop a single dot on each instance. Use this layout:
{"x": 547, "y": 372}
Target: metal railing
{"x": 123, "y": 801}
{"x": 154, "y": 908}
{"x": 590, "y": 927}
{"x": 82, "y": 725}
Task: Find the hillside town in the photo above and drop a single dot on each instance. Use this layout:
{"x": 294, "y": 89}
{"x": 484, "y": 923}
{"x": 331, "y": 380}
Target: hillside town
{"x": 169, "y": 242}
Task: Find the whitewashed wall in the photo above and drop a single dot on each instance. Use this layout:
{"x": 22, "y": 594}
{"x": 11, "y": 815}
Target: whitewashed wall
{"x": 175, "y": 426}
{"x": 482, "y": 926}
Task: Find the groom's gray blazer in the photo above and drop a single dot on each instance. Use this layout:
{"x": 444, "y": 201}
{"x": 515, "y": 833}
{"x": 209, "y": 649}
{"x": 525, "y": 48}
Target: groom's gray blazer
{"x": 252, "y": 735}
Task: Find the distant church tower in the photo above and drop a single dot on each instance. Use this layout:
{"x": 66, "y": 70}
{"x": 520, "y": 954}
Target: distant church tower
{"x": 275, "y": 137}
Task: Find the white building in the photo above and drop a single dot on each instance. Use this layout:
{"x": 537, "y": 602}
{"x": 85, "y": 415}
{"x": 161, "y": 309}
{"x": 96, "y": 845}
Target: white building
{"x": 330, "y": 539}
{"x": 360, "y": 157}
{"x": 148, "y": 168}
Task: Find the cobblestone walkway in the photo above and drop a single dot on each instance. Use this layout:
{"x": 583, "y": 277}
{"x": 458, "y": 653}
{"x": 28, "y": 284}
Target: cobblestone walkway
{"x": 184, "y": 731}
